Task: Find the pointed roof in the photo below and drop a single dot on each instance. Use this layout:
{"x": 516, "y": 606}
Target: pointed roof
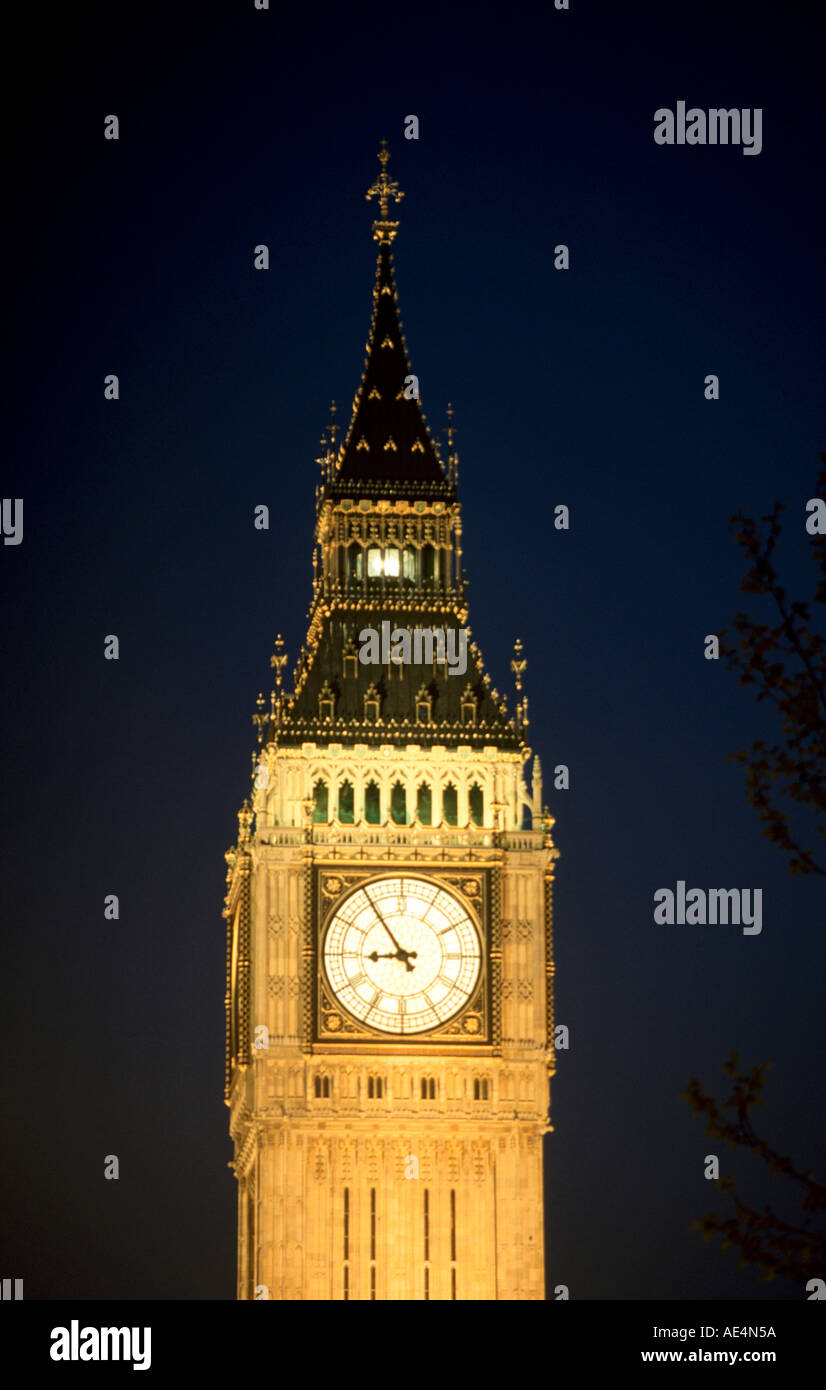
{"x": 388, "y": 441}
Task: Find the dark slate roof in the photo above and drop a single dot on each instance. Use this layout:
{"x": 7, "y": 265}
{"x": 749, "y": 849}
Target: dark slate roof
{"x": 398, "y": 687}
{"x": 382, "y": 416}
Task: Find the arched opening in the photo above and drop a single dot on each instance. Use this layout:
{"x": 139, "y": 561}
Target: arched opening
{"x": 476, "y": 805}
{"x": 424, "y": 806}
{"x": 355, "y": 561}
{"x": 372, "y": 804}
{"x": 346, "y": 803}
{"x": 430, "y": 565}
{"x": 398, "y": 804}
{"x": 450, "y": 805}
{"x": 320, "y": 802}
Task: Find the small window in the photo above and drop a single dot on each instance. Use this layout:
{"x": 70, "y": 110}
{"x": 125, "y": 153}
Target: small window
{"x": 450, "y": 805}
{"x": 346, "y": 803}
{"x": 372, "y": 804}
{"x": 373, "y": 562}
{"x": 428, "y": 1088}
{"x": 430, "y": 567}
{"x": 476, "y": 805}
{"x": 480, "y": 1089}
{"x": 424, "y": 804}
{"x": 326, "y": 702}
{"x": 468, "y": 706}
{"x": 375, "y": 1088}
{"x": 371, "y": 704}
{"x": 355, "y": 561}
{"x": 350, "y": 662}
{"x": 322, "y": 1087}
{"x": 398, "y": 804}
{"x": 409, "y": 565}
{"x": 320, "y": 802}
{"x": 424, "y": 705}
{"x": 391, "y": 562}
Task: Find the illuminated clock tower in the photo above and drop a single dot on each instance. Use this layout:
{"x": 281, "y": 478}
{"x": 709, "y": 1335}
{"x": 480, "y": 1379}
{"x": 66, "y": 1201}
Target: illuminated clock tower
{"x": 389, "y": 906}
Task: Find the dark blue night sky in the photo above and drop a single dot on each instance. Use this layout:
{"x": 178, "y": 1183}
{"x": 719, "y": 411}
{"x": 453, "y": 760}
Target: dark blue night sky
{"x": 582, "y": 387}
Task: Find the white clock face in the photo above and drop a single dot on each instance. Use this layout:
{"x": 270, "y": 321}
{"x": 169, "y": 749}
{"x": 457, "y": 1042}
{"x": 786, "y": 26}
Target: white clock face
{"x": 402, "y": 955}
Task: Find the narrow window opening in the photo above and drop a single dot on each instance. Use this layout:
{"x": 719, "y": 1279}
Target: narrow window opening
{"x": 398, "y": 804}
{"x": 372, "y": 804}
{"x": 346, "y": 803}
{"x": 320, "y": 802}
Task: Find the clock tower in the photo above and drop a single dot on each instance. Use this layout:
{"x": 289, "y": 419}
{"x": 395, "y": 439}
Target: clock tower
{"x": 389, "y": 996}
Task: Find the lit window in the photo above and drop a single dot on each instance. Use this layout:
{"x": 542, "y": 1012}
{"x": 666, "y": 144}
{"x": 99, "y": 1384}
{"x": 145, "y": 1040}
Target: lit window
{"x": 391, "y": 561}
{"x": 374, "y": 567}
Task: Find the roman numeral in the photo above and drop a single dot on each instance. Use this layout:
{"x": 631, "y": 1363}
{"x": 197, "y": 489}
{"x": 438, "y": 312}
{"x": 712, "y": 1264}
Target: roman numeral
{"x": 356, "y": 980}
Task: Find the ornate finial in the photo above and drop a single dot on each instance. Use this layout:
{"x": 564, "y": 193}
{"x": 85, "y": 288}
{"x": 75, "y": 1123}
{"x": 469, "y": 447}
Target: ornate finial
{"x": 384, "y": 189}
{"x": 278, "y": 660}
{"x": 260, "y": 718}
{"x": 333, "y": 425}
{"x": 245, "y": 816}
{"x": 518, "y": 664}
{"x": 449, "y": 413}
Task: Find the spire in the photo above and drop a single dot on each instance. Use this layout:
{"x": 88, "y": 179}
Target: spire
{"x": 384, "y": 189}
{"x": 388, "y": 442}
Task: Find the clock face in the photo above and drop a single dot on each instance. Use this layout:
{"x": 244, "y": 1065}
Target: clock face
{"x": 402, "y": 955}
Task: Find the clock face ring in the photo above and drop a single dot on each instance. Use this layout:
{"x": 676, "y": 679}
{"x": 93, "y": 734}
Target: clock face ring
{"x": 402, "y": 954}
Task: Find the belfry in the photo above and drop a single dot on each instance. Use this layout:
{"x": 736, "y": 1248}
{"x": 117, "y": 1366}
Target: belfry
{"x": 389, "y": 994}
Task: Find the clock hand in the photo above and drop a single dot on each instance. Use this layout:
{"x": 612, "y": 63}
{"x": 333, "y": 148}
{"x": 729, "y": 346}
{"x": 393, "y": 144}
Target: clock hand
{"x": 381, "y": 919}
{"x": 393, "y": 955}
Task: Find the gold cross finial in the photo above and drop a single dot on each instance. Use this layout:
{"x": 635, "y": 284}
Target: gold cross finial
{"x": 278, "y": 660}
{"x": 384, "y": 189}
{"x": 518, "y": 664}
